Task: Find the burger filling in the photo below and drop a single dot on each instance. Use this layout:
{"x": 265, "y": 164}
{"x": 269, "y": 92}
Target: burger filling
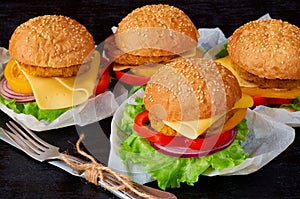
{"x": 214, "y": 129}
{"x": 56, "y": 72}
{"x": 135, "y": 60}
{"x": 264, "y": 82}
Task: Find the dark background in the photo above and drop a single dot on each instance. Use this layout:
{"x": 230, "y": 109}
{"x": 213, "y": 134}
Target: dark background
{"x": 22, "y": 177}
{"x": 99, "y": 16}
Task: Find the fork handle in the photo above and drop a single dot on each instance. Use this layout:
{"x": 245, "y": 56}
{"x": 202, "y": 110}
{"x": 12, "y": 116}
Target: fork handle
{"x": 72, "y": 158}
{"x": 109, "y": 179}
{"x": 151, "y": 192}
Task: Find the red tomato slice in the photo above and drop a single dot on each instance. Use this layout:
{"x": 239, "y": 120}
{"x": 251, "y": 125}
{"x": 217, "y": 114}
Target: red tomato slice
{"x": 131, "y": 78}
{"x": 103, "y": 82}
{"x": 270, "y": 101}
{"x": 200, "y": 143}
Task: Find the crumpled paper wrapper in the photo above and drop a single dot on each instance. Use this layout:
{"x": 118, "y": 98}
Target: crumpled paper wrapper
{"x": 215, "y": 44}
{"x": 267, "y": 138}
{"x": 280, "y": 115}
{"x": 95, "y": 109}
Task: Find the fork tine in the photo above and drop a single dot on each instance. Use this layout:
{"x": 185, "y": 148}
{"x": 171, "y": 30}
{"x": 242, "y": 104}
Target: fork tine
{"x": 23, "y": 137}
{"x": 22, "y": 145}
{"x": 12, "y": 126}
{"x": 33, "y": 135}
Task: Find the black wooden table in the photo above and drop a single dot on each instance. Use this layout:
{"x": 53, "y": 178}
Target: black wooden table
{"x": 23, "y": 177}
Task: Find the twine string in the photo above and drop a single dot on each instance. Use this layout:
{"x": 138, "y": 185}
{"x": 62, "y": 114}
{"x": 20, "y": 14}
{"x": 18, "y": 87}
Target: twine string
{"x": 95, "y": 172}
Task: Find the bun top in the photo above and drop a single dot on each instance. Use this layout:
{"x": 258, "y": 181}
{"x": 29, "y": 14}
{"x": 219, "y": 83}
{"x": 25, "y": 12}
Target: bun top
{"x": 51, "y": 41}
{"x": 156, "y": 30}
{"x": 190, "y": 89}
{"x": 267, "y": 48}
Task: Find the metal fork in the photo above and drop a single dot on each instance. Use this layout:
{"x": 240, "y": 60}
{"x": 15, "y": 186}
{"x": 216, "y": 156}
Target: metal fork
{"x": 40, "y": 150}
{"x": 35, "y": 147}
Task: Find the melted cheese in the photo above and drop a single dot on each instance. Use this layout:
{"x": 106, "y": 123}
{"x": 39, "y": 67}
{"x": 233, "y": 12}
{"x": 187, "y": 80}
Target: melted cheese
{"x": 192, "y": 129}
{"x": 190, "y": 53}
{"x": 57, "y": 92}
{"x": 253, "y": 89}
{"x": 118, "y": 67}
{"x": 272, "y": 93}
{"x": 226, "y": 61}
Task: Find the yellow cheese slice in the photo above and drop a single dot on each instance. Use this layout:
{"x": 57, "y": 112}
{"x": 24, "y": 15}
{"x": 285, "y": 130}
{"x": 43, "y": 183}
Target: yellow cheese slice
{"x": 253, "y": 89}
{"x": 226, "y": 61}
{"x": 145, "y": 70}
{"x": 190, "y": 53}
{"x": 118, "y": 67}
{"x": 192, "y": 129}
{"x": 57, "y": 92}
{"x": 272, "y": 93}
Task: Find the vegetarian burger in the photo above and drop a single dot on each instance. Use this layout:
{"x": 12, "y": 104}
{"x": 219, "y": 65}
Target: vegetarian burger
{"x": 53, "y": 66}
{"x": 147, "y": 36}
{"x": 265, "y": 57}
{"x": 191, "y": 110}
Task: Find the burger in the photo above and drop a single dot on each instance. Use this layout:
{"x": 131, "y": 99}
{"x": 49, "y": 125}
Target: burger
{"x": 53, "y": 67}
{"x": 190, "y": 120}
{"x": 148, "y": 37}
{"x": 265, "y": 57}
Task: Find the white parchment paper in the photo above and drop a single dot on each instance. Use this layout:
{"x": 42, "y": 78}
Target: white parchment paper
{"x": 267, "y": 138}
{"x": 280, "y": 115}
{"x": 95, "y": 109}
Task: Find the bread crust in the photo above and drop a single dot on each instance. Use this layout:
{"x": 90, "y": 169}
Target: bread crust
{"x": 267, "y": 48}
{"x": 51, "y": 41}
{"x": 190, "y": 89}
{"x": 156, "y": 30}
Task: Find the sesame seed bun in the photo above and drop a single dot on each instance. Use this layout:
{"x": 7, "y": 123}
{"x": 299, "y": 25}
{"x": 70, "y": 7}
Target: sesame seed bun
{"x": 156, "y": 30}
{"x": 190, "y": 89}
{"x": 267, "y": 49}
{"x": 51, "y": 41}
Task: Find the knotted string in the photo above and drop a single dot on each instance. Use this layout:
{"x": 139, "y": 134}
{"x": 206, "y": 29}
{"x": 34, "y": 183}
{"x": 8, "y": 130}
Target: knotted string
{"x": 95, "y": 172}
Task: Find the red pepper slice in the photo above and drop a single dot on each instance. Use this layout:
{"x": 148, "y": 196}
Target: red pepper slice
{"x": 270, "y": 101}
{"x": 131, "y": 78}
{"x": 104, "y": 80}
{"x": 200, "y": 143}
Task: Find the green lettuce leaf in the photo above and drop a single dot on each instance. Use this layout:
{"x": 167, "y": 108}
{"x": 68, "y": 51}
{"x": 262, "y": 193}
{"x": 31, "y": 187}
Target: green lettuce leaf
{"x": 169, "y": 171}
{"x": 223, "y": 52}
{"x": 131, "y": 110}
{"x": 130, "y": 113}
{"x": 294, "y": 105}
{"x": 135, "y": 88}
{"x": 31, "y": 108}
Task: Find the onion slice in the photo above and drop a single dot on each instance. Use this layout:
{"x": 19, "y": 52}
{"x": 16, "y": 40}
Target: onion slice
{"x": 186, "y": 152}
{"x": 9, "y": 94}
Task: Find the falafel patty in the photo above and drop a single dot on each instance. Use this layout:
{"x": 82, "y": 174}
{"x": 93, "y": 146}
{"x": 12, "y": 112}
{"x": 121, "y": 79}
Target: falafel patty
{"x": 264, "y": 82}
{"x": 134, "y": 60}
{"x": 119, "y": 57}
{"x": 56, "y": 72}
